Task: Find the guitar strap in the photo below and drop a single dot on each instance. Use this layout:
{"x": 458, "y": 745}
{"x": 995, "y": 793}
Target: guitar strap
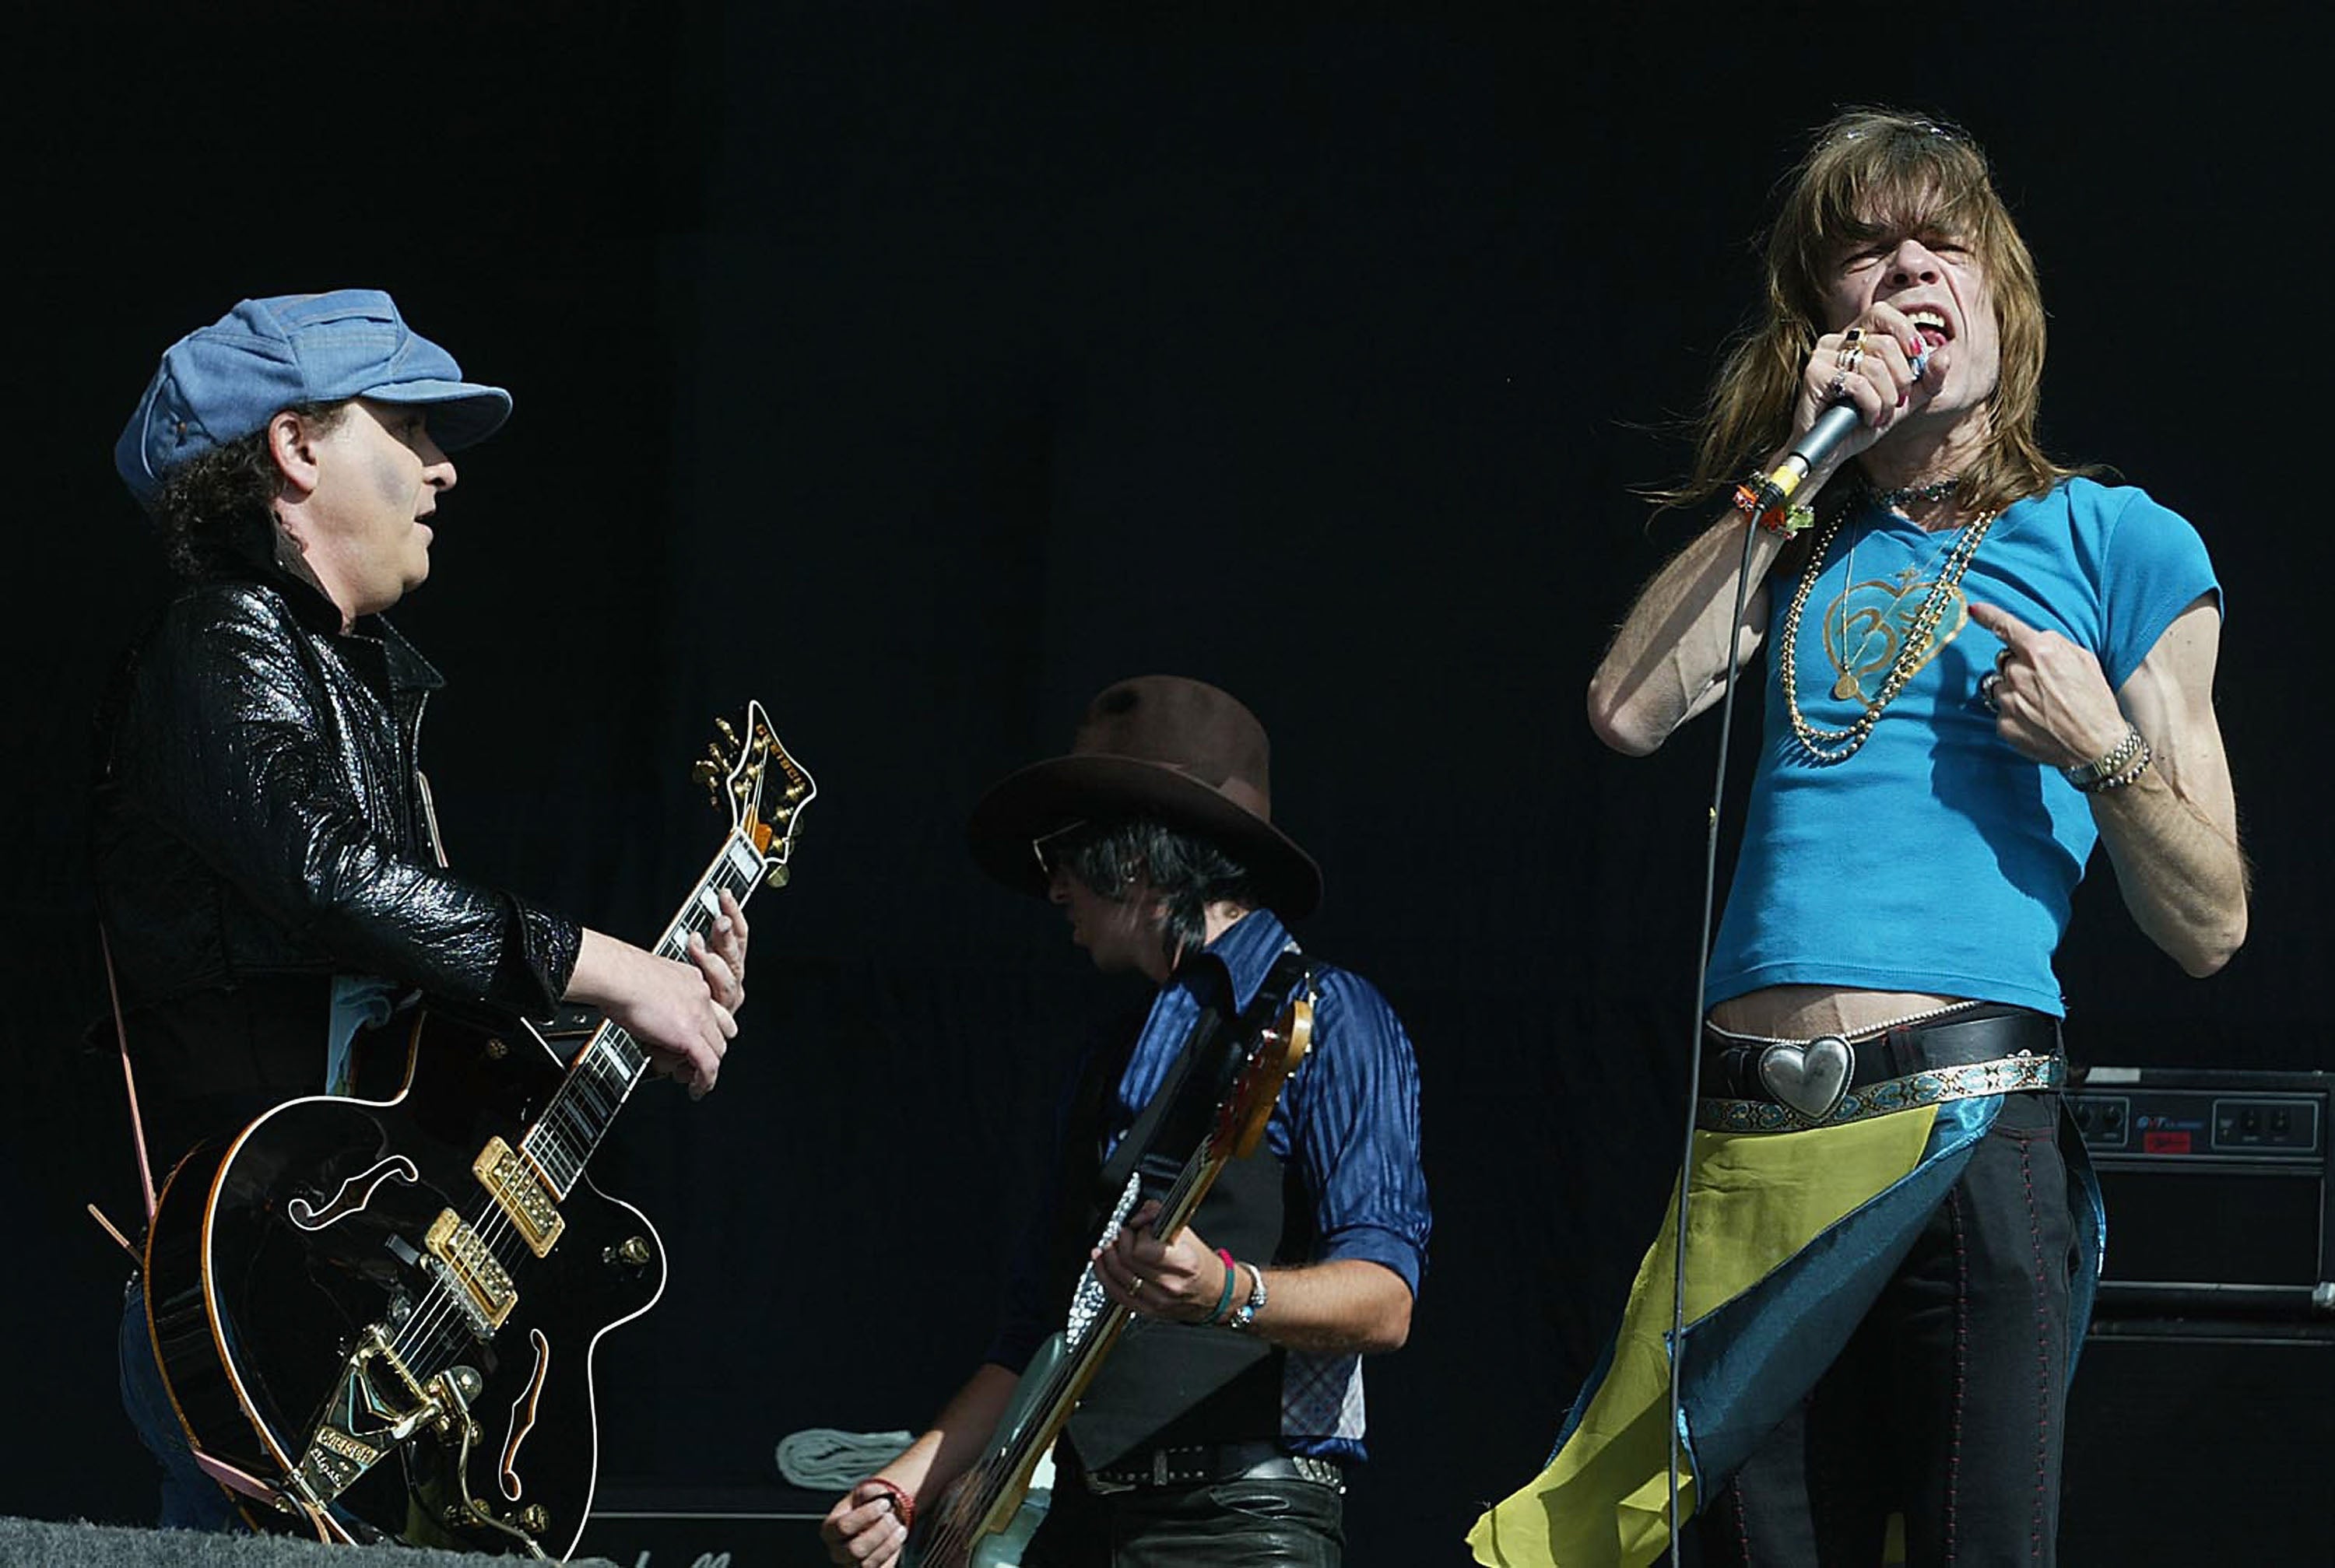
{"x": 129, "y": 1078}
{"x": 1178, "y": 1092}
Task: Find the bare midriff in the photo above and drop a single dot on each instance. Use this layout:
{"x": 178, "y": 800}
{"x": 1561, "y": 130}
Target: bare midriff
{"x": 1806, "y": 1012}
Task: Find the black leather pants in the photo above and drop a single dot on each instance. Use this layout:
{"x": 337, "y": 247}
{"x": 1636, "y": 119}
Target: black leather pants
{"x": 1275, "y": 1521}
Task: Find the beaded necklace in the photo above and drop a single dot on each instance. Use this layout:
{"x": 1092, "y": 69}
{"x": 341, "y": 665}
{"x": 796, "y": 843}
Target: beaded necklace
{"x": 1829, "y": 746}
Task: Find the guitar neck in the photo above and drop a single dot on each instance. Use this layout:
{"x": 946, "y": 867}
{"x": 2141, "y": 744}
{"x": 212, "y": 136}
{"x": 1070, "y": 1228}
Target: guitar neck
{"x": 602, "y": 1076}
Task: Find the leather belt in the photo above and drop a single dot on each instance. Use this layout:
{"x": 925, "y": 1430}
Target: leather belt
{"x": 1785, "y": 1084}
{"x": 1209, "y": 1462}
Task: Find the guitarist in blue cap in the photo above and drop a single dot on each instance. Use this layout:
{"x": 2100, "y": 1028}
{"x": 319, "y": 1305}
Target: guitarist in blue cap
{"x": 1223, "y": 1421}
{"x": 265, "y": 861}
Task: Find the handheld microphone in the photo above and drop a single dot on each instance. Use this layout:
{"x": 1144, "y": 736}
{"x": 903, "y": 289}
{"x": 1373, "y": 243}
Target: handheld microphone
{"x": 1814, "y": 449}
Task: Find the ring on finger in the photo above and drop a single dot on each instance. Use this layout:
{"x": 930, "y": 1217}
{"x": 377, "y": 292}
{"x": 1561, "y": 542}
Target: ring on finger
{"x": 1853, "y": 338}
{"x": 1833, "y": 393}
{"x": 1850, "y": 357}
{"x": 1986, "y": 686}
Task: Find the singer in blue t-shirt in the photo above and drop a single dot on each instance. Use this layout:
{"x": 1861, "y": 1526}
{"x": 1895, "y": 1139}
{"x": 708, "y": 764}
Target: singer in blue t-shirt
{"x": 1980, "y": 662}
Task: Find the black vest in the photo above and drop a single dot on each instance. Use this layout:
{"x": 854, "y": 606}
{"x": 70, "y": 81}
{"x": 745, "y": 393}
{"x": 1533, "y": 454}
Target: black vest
{"x": 1175, "y": 1385}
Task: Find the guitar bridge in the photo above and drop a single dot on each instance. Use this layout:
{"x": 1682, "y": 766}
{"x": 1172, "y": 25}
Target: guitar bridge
{"x": 510, "y": 1179}
{"x": 378, "y": 1404}
{"x": 467, "y": 1266}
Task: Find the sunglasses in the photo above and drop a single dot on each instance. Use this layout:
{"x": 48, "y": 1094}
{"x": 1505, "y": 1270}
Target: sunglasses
{"x": 1049, "y": 847}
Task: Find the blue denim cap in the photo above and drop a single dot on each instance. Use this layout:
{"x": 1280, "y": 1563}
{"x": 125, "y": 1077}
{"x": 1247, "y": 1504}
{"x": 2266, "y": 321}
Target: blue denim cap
{"x": 225, "y": 380}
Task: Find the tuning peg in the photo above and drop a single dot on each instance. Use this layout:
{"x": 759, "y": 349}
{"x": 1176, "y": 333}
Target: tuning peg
{"x": 796, "y": 790}
{"x": 776, "y": 873}
{"x": 708, "y": 776}
{"x": 729, "y": 736}
{"x": 764, "y": 742}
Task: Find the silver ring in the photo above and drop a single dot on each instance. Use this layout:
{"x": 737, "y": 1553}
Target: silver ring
{"x": 1850, "y": 358}
{"x": 1839, "y": 386}
{"x": 1986, "y": 685}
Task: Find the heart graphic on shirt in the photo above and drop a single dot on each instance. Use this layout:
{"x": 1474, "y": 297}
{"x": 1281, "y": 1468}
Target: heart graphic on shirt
{"x": 1866, "y": 626}
{"x": 1811, "y": 1079}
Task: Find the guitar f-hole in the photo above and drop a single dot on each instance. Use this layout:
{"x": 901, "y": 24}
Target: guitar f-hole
{"x": 522, "y": 1416}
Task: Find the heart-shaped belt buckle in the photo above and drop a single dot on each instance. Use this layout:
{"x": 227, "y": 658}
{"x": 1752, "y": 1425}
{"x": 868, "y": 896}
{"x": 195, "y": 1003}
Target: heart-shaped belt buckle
{"x": 1810, "y": 1078}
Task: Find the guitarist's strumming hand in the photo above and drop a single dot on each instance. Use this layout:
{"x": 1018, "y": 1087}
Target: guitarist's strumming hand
{"x": 865, "y": 1528}
{"x": 1182, "y": 1280}
{"x": 682, "y": 1014}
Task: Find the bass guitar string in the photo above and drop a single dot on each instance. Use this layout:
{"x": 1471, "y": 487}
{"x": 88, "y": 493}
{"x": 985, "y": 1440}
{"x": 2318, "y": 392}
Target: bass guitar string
{"x": 959, "y": 1527}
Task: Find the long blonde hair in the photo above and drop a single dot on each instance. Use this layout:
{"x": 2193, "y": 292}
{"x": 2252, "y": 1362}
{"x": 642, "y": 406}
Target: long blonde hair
{"x": 1868, "y": 174}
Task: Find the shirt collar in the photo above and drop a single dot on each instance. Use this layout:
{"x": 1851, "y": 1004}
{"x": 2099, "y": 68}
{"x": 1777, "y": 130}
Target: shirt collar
{"x": 1244, "y": 953}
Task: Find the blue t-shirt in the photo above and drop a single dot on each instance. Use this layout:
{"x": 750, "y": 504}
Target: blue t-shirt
{"x": 1937, "y": 858}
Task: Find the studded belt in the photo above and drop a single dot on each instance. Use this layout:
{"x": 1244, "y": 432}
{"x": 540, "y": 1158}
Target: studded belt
{"x": 1791, "y": 1085}
{"x": 1211, "y": 1462}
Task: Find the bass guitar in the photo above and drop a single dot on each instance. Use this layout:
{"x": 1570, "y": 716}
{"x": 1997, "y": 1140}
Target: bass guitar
{"x": 977, "y": 1513}
{"x": 378, "y": 1318}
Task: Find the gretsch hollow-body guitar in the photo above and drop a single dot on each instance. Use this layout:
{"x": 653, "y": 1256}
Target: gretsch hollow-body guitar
{"x": 379, "y": 1317}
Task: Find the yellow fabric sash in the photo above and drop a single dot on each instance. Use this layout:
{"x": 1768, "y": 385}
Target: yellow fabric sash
{"x": 1757, "y": 1200}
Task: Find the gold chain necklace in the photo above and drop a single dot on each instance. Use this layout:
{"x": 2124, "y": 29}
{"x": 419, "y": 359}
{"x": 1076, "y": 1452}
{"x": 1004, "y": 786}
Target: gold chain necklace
{"x": 1839, "y": 745}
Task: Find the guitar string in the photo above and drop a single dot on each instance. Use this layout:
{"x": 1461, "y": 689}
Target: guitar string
{"x": 494, "y": 1227}
{"x": 960, "y": 1527}
{"x": 497, "y": 1227}
{"x": 439, "y": 1304}
{"x": 442, "y": 1308}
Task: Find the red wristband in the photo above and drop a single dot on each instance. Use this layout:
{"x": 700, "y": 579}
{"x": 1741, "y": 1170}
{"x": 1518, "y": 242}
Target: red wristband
{"x": 902, "y": 1503}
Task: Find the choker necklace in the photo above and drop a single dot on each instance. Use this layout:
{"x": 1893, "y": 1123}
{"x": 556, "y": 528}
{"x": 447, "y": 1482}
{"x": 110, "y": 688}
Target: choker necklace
{"x": 1935, "y": 490}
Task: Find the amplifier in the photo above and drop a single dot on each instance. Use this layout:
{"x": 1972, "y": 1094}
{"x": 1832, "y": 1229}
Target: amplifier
{"x": 2216, "y": 1184}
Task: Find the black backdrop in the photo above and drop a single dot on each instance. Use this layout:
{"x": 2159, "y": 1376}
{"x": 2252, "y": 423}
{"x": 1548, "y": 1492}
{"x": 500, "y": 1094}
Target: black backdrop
{"x": 920, "y": 376}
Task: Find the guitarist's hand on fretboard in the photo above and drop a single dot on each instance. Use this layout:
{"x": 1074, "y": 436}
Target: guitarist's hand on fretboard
{"x": 1183, "y": 1280}
{"x": 685, "y": 1015}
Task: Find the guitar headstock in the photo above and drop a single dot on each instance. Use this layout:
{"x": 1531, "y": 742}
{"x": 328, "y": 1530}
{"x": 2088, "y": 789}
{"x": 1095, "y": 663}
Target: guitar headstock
{"x": 1257, "y": 1087}
{"x": 763, "y": 787}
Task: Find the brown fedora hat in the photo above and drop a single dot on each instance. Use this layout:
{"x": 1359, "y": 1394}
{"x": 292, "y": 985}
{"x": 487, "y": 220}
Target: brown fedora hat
{"x": 1165, "y": 747}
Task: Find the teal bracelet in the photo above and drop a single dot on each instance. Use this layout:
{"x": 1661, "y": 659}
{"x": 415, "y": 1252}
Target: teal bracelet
{"x": 1225, "y": 1301}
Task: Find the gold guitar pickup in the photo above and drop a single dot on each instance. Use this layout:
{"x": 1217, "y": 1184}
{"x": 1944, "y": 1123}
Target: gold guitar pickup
{"x": 468, "y": 1265}
{"x": 512, "y": 1182}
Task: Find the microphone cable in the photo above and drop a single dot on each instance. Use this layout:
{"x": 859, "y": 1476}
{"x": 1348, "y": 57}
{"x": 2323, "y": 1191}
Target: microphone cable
{"x": 1701, "y": 980}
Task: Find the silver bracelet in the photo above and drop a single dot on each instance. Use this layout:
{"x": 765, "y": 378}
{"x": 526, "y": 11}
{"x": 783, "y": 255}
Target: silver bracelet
{"x": 2109, "y": 771}
{"x": 1245, "y": 1315}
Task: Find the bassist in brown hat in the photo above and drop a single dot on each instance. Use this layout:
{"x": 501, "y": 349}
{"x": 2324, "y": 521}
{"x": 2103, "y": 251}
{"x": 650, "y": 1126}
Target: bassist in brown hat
{"x": 1223, "y": 1421}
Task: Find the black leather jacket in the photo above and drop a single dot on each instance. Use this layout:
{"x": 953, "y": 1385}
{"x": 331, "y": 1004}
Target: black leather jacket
{"x": 260, "y": 826}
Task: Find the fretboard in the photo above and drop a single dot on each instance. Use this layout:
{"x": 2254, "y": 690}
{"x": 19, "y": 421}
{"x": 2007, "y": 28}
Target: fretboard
{"x": 603, "y": 1073}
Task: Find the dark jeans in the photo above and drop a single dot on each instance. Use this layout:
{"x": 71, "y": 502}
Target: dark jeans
{"x": 1946, "y": 1404}
{"x": 1298, "y": 1523}
{"x": 191, "y": 1499}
